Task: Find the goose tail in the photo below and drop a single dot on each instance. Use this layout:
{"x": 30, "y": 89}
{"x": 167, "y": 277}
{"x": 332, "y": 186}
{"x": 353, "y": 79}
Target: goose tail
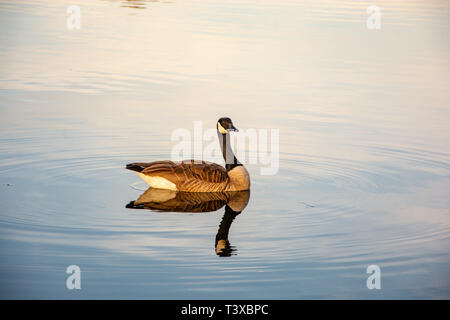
{"x": 138, "y": 167}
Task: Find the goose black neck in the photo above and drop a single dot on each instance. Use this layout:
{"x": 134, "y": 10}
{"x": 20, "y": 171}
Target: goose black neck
{"x": 222, "y": 233}
{"x": 225, "y": 224}
{"x": 228, "y": 155}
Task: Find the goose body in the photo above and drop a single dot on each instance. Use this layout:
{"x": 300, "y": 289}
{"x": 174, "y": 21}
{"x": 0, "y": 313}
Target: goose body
{"x": 195, "y": 175}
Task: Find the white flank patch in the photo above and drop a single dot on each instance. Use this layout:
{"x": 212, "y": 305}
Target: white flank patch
{"x": 157, "y": 182}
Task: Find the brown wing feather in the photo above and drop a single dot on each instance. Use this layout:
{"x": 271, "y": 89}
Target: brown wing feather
{"x": 190, "y": 175}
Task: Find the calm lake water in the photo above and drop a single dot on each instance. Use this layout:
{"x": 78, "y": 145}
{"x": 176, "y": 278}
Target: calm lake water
{"x": 364, "y": 147}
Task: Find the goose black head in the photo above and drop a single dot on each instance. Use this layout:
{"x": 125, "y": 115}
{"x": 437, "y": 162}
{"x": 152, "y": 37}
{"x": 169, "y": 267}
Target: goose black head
{"x": 224, "y": 125}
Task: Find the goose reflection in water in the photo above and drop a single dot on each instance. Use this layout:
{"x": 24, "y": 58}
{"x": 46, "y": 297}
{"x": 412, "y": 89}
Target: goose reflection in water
{"x": 173, "y": 201}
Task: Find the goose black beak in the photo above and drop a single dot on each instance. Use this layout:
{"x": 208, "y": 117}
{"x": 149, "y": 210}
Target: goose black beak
{"x": 233, "y": 128}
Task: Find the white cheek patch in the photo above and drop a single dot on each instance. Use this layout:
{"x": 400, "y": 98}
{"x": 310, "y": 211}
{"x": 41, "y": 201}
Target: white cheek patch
{"x": 222, "y": 130}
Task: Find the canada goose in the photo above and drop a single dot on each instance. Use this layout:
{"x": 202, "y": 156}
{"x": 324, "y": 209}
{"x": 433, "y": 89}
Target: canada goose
{"x": 195, "y": 175}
